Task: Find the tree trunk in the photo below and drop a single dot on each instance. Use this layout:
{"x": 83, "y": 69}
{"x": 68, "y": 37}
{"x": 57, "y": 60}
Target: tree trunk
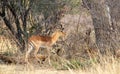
{"x": 106, "y": 23}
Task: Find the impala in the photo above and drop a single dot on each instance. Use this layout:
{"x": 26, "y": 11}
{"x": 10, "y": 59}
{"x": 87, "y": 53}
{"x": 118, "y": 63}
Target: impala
{"x": 36, "y": 41}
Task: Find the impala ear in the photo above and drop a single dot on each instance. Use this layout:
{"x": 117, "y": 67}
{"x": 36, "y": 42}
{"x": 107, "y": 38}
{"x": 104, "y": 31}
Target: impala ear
{"x": 60, "y": 27}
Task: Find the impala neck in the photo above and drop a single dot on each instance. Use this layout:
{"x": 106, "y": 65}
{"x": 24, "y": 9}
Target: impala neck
{"x": 55, "y": 37}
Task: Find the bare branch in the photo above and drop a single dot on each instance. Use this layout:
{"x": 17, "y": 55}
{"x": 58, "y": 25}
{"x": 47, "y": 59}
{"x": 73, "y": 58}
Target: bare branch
{"x": 13, "y": 11}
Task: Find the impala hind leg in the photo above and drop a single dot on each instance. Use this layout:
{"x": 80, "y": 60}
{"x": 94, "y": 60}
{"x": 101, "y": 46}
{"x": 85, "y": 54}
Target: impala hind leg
{"x": 35, "y": 54}
{"x": 48, "y": 52}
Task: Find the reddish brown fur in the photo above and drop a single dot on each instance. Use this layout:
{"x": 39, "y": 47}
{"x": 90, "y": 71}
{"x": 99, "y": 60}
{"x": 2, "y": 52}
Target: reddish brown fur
{"x": 37, "y": 41}
{"x": 40, "y": 38}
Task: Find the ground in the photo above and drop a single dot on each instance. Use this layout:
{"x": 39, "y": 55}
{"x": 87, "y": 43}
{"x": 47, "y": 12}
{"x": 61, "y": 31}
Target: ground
{"x": 19, "y": 69}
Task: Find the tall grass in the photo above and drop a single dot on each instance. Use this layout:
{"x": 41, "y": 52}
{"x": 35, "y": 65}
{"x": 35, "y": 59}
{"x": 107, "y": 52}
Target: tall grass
{"x": 107, "y": 66}
{"x": 94, "y": 65}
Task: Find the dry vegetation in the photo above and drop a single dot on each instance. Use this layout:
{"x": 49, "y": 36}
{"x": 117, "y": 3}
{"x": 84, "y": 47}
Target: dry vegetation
{"x": 95, "y": 65}
{"x": 6, "y": 45}
{"x": 107, "y": 66}
{"x": 81, "y": 61}
{"x": 78, "y": 53}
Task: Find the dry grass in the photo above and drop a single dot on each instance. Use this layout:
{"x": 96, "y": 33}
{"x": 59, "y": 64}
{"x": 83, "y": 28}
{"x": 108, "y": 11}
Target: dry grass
{"x": 104, "y": 65}
{"x": 6, "y": 45}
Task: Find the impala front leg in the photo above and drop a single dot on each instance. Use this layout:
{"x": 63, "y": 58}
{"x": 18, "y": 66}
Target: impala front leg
{"x": 49, "y": 54}
{"x": 28, "y": 51}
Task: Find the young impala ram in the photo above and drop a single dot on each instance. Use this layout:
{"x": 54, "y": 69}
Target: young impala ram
{"x": 36, "y": 41}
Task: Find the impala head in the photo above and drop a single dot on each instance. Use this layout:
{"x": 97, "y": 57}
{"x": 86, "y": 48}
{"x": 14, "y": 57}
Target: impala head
{"x": 59, "y": 30}
{"x": 63, "y": 34}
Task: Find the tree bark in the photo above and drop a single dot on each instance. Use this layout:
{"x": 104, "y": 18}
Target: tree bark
{"x": 105, "y": 21}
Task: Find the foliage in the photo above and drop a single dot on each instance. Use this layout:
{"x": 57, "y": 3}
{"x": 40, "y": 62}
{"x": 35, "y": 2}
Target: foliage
{"x": 14, "y": 14}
